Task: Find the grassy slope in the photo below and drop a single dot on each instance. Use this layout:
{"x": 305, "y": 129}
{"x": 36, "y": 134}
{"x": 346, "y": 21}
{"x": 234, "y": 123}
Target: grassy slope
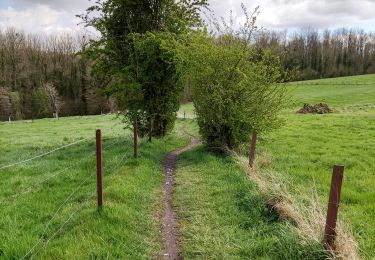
{"x": 127, "y": 227}
{"x": 307, "y": 146}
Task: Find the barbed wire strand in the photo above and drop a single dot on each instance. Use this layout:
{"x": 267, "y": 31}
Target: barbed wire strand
{"x": 56, "y": 212}
{"x": 71, "y": 194}
{"x": 61, "y": 206}
{"x": 56, "y": 173}
{"x": 57, "y": 149}
{"x": 44, "y": 154}
{"x": 58, "y": 230}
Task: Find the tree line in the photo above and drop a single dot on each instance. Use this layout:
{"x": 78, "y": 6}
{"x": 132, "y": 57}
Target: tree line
{"x": 44, "y": 76}
{"x": 312, "y": 54}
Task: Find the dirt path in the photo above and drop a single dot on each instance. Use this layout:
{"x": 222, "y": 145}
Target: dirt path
{"x": 170, "y": 231}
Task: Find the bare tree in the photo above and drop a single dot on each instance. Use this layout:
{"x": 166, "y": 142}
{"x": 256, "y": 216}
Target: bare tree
{"x": 54, "y": 99}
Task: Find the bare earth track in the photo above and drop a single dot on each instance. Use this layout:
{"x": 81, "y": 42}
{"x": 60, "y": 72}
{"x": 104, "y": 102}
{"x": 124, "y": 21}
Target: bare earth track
{"x": 170, "y": 231}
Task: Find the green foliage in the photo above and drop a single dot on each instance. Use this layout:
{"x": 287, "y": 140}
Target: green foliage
{"x": 157, "y": 75}
{"x": 235, "y": 88}
{"x": 41, "y": 104}
{"x": 16, "y": 105}
{"x": 148, "y": 87}
{"x": 136, "y": 54}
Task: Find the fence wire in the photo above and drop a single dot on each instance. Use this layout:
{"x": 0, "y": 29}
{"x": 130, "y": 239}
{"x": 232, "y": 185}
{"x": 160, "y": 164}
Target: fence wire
{"x": 31, "y": 252}
{"x": 55, "y": 174}
{"x": 58, "y": 230}
{"x": 44, "y": 154}
{"x": 109, "y": 167}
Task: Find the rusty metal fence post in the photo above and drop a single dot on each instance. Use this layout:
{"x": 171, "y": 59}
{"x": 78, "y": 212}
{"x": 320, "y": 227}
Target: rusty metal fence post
{"x": 333, "y": 207}
{"x": 252, "y": 148}
{"x": 99, "y": 167}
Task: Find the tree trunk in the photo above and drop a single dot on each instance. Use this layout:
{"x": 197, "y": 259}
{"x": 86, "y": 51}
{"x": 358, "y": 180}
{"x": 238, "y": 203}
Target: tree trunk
{"x": 135, "y": 129}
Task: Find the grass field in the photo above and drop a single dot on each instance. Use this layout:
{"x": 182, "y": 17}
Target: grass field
{"x": 48, "y": 205}
{"x": 50, "y": 202}
{"x": 307, "y": 146}
{"x": 301, "y": 153}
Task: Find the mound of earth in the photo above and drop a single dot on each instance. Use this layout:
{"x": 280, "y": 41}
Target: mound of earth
{"x": 320, "y": 108}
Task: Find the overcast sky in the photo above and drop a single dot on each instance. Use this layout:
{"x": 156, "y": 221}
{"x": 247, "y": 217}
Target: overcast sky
{"x": 53, "y": 16}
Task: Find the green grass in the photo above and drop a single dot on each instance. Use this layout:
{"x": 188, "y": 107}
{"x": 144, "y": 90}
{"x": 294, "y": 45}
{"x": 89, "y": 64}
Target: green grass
{"x": 127, "y": 227}
{"x": 223, "y": 215}
{"x": 186, "y": 110}
{"x": 307, "y": 146}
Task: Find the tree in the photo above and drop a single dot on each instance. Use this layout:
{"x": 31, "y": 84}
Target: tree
{"x": 53, "y": 96}
{"x": 235, "y": 88}
{"x": 136, "y": 54}
{"x": 28, "y": 62}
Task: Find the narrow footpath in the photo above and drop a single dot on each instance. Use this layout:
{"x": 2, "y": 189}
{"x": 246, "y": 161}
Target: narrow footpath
{"x": 170, "y": 230}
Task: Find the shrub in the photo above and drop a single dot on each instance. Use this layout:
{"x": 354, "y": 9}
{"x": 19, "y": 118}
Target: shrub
{"x": 16, "y": 105}
{"x": 41, "y": 104}
{"x": 235, "y": 88}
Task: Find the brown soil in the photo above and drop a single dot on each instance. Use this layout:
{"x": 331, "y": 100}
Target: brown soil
{"x": 170, "y": 230}
{"x": 320, "y": 108}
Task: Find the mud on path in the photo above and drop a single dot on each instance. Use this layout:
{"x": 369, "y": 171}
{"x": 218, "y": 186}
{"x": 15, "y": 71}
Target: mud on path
{"x": 170, "y": 231}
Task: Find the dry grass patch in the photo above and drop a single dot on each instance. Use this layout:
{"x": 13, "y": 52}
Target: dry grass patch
{"x": 307, "y": 215}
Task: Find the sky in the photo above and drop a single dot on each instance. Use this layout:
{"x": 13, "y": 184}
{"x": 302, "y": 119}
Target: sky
{"x": 58, "y": 16}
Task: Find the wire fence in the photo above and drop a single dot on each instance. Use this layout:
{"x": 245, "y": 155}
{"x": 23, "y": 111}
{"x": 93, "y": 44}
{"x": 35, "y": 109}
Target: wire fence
{"x": 84, "y": 186}
{"x": 110, "y": 128}
{"x": 43, "y": 154}
{"x": 34, "y": 187}
{"x": 31, "y": 252}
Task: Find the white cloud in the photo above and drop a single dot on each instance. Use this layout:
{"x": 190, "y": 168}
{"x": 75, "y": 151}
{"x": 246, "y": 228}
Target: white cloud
{"x": 319, "y": 14}
{"x": 40, "y": 17}
{"x": 50, "y": 16}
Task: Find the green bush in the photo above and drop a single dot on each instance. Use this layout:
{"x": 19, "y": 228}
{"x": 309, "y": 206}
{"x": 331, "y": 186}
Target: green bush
{"x": 41, "y": 104}
{"x": 16, "y": 106}
{"x": 235, "y": 88}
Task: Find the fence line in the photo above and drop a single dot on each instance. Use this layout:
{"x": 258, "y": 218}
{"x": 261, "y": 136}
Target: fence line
{"x": 69, "y": 197}
{"x": 52, "y": 151}
{"x": 77, "y": 209}
{"x": 56, "y": 212}
{"x": 61, "y": 206}
{"x": 44, "y": 154}
{"x": 56, "y": 173}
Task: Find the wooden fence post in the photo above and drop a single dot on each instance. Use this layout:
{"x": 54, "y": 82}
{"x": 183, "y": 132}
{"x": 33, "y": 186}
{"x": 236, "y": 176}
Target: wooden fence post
{"x": 333, "y": 207}
{"x": 252, "y": 148}
{"x": 99, "y": 167}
